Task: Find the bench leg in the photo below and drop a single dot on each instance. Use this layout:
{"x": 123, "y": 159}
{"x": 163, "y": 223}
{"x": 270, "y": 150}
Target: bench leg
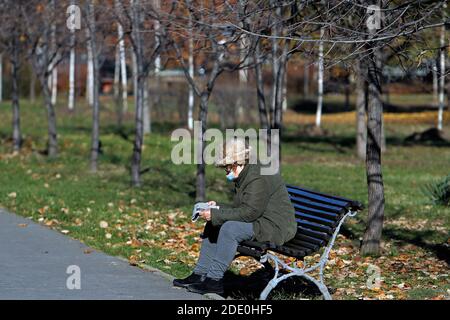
{"x": 294, "y": 272}
{"x": 303, "y": 272}
{"x": 322, "y": 287}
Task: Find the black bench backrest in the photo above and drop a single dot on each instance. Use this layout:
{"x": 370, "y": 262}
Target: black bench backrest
{"x": 317, "y": 216}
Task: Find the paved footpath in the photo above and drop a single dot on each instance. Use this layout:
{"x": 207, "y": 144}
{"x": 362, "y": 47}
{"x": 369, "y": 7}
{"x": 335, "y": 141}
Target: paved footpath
{"x": 34, "y": 262}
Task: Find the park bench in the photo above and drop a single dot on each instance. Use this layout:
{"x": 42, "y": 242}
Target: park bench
{"x": 319, "y": 218}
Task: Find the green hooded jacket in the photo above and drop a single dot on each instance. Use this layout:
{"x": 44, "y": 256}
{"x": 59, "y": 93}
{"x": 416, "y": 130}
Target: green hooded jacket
{"x": 262, "y": 200}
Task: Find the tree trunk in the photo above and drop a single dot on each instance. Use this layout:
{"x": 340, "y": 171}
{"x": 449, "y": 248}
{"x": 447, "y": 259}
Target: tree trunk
{"x": 139, "y": 92}
{"x": 157, "y": 5}
{"x": 383, "y": 132}
{"x": 278, "y": 116}
{"x": 191, "y": 74}
{"x": 119, "y": 108}
{"x": 135, "y": 75}
{"x": 263, "y": 115}
{"x": 203, "y": 116}
{"x": 285, "y": 103}
{"x": 15, "y": 99}
{"x": 275, "y": 67}
{"x": 361, "y": 107}
{"x": 243, "y": 80}
{"x": 52, "y": 144}
{"x": 43, "y": 62}
{"x": 320, "y": 81}
{"x": 54, "y": 85}
{"x": 54, "y": 69}
{"x": 146, "y": 115}
{"x": 191, "y": 66}
{"x": 139, "y": 136}
{"x": 71, "y": 104}
{"x": 372, "y": 234}
{"x": 441, "y": 79}
{"x": 32, "y": 87}
{"x": 379, "y": 60}
{"x": 1, "y": 77}
{"x": 95, "y": 139}
{"x": 90, "y": 70}
{"x": 201, "y": 179}
{"x": 123, "y": 67}
{"x": 278, "y": 80}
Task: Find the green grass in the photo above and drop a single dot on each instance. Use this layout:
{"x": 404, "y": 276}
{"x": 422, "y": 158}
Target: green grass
{"x": 65, "y": 190}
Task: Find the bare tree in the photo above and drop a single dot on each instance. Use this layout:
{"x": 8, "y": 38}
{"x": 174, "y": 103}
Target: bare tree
{"x": 95, "y": 82}
{"x": 45, "y": 52}
{"x": 276, "y": 18}
{"x": 138, "y": 20}
{"x": 372, "y": 234}
{"x": 138, "y": 51}
{"x": 220, "y": 50}
{"x": 10, "y": 43}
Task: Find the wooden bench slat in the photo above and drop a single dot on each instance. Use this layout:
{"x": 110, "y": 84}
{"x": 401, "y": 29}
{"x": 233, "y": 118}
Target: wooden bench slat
{"x": 249, "y": 251}
{"x": 313, "y": 233}
{"x": 316, "y": 212}
{"x": 314, "y": 226}
{"x": 319, "y": 220}
{"x": 307, "y": 238}
{"x": 317, "y": 205}
{"x": 304, "y": 244}
{"x": 353, "y": 205}
{"x": 292, "y": 252}
{"x": 343, "y": 203}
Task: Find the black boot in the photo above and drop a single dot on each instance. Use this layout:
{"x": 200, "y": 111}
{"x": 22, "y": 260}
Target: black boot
{"x": 209, "y": 285}
{"x": 192, "y": 279}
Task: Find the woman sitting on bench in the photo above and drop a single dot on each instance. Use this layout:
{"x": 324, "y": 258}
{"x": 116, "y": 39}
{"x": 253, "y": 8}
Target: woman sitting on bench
{"x": 261, "y": 212}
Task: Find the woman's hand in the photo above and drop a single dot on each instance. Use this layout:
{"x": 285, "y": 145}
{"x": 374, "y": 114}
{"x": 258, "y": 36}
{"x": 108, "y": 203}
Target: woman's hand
{"x": 206, "y": 214}
{"x": 212, "y": 203}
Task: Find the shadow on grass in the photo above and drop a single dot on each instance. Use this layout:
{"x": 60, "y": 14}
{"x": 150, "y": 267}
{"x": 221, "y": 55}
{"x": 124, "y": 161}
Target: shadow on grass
{"x": 419, "y": 238}
{"x": 309, "y": 106}
{"x": 250, "y": 287}
{"x": 429, "y": 240}
{"x": 339, "y": 143}
{"x": 343, "y": 143}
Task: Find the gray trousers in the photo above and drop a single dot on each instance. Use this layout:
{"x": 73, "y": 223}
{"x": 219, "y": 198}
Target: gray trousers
{"x": 215, "y": 258}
